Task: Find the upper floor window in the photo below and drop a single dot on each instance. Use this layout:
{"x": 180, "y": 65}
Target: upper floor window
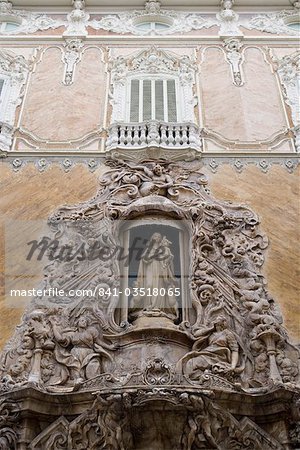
{"x": 153, "y": 99}
{"x": 294, "y": 25}
{"x": 8, "y": 26}
{"x": 153, "y": 85}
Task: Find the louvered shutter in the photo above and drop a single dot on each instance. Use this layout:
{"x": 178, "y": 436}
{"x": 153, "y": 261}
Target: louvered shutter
{"x": 134, "y": 100}
{"x": 147, "y": 100}
{"x": 152, "y": 99}
{"x": 172, "y": 106}
{"x": 159, "y": 100}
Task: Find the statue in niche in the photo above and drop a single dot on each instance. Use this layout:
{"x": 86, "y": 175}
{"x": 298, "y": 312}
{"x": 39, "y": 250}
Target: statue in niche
{"x": 156, "y": 278}
{"x": 81, "y": 349}
{"x": 216, "y": 348}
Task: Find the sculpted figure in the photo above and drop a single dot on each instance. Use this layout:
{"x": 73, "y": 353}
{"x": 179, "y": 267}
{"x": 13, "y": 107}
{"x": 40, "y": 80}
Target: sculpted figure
{"x": 158, "y": 182}
{"x": 216, "y": 348}
{"x": 81, "y": 349}
{"x": 156, "y": 277}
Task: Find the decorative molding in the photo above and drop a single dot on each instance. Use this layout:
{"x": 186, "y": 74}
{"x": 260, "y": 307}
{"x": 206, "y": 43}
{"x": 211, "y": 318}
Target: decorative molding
{"x": 234, "y": 56}
{"x": 288, "y": 69}
{"x": 175, "y": 21}
{"x": 14, "y": 69}
{"x": 275, "y": 23}
{"x": 71, "y": 56}
{"x": 78, "y": 20}
{"x": 213, "y": 161}
{"x": 29, "y": 22}
{"x": 228, "y": 20}
{"x": 150, "y": 62}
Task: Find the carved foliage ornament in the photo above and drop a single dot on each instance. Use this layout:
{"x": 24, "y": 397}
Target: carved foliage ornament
{"x": 232, "y": 331}
{"x": 288, "y": 69}
{"x": 14, "y": 70}
{"x": 275, "y": 23}
{"x": 171, "y": 21}
{"x": 27, "y": 21}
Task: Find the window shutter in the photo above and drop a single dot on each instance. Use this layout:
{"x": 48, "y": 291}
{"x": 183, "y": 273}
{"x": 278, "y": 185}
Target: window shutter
{"x": 159, "y": 100}
{"x": 134, "y": 100}
{"x": 147, "y": 100}
{"x": 172, "y": 107}
{"x": 1, "y": 86}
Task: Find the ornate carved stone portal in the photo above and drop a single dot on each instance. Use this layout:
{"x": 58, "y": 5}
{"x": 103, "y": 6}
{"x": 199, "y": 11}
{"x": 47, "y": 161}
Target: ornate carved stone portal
{"x": 183, "y": 351}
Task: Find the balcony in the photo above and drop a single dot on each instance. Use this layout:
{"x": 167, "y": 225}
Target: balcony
{"x": 154, "y": 134}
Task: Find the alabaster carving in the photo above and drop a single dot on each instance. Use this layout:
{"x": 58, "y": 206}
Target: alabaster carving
{"x": 125, "y": 369}
{"x": 71, "y": 57}
{"x": 14, "y": 71}
{"x": 288, "y": 69}
{"x": 228, "y": 20}
{"x": 77, "y": 20}
{"x": 233, "y": 48}
{"x": 175, "y": 21}
{"x": 275, "y": 23}
{"x": 28, "y": 22}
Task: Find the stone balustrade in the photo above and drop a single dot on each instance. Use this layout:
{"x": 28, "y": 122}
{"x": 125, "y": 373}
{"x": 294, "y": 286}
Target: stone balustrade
{"x": 154, "y": 134}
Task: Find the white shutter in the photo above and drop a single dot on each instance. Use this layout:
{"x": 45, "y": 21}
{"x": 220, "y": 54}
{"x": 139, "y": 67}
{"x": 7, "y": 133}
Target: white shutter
{"x": 1, "y": 86}
{"x": 153, "y": 99}
{"x": 159, "y": 100}
{"x": 134, "y": 100}
{"x": 147, "y": 100}
{"x": 172, "y": 106}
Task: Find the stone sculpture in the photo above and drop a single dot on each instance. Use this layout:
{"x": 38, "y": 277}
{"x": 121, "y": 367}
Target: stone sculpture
{"x": 189, "y": 374}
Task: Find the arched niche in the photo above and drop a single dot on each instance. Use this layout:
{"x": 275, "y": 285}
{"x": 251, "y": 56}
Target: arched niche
{"x": 154, "y": 268}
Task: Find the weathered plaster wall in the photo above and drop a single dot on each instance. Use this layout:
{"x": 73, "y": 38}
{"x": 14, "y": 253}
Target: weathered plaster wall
{"x": 248, "y": 113}
{"x": 30, "y": 195}
{"x": 53, "y": 111}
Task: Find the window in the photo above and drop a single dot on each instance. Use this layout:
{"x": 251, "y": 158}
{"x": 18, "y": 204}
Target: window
{"x": 294, "y": 26}
{"x": 152, "y": 26}
{"x": 8, "y": 26}
{"x": 153, "y": 99}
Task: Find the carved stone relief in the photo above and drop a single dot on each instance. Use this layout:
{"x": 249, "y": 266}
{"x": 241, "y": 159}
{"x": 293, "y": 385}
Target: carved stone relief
{"x": 173, "y": 21}
{"x": 275, "y": 23}
{"x": 28, "y": 22}
{"x": 14, "y": 70}
{"x": 77, "y": 20}
{"x": 228, "y": 20}
{"x": 233, "y": 48}
{"x": 288, "y": 69}
{"x": 196, "y": 369}
{"x": 71, "y": 57}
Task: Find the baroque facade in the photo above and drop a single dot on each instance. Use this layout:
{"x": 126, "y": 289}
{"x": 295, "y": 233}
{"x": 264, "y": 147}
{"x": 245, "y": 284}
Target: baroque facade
{"x": 152, "y": 123}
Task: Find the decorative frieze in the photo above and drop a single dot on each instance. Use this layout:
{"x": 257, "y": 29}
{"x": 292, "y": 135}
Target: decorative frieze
{"x": 14, "y": 70}
{"x": 169, "y": 21}
{"x": 275, "y": 23}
